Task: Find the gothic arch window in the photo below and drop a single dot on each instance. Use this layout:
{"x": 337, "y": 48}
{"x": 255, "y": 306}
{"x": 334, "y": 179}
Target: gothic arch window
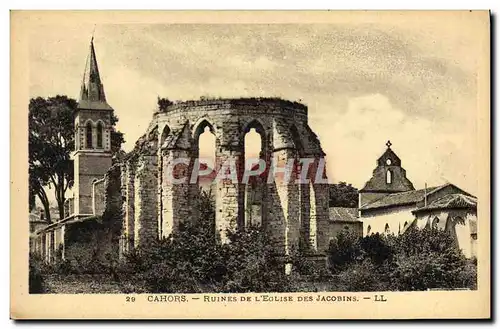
{"x": 388, "y": 177}
{"x": 406, "y": 223}
{"x": 387, "y": 230}
{"x": 164, "y": 135}
{"x": 100, "y": 131}
{"x": 88, "y": 134}
{"x": 368, "y": 230}
{"x": 435, "y": 222}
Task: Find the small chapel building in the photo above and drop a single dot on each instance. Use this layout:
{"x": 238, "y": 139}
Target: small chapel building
{"x": 390, "y": 204}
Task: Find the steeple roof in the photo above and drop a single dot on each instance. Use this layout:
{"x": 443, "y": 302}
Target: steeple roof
{"x": 92, "y": 91}
{"x": 388, "y": 176}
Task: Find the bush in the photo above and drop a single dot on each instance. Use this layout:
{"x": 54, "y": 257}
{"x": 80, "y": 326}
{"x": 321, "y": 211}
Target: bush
{"x": 417, "y": 260}
{"x": 36, "y": 278}
{"x": 251, "y": 263}
{"x": 193, "y": 261}
{"x": 429, "y": 259}
{"x": 362, "y": 276}
{"x": 343, "y": 250}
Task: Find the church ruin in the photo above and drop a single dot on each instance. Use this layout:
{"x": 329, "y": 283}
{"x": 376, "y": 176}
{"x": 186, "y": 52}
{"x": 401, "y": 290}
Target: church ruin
{"x": 139, "y": 186}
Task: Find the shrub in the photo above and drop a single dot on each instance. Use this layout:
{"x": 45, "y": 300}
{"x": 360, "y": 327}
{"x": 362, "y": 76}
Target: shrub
{"x": 361, "y": 276}
{"x": 36, "y": 278}
{"x": 251, "y": 263}
{"x": 343, "y": 250}
{"x": 417, "y": 260}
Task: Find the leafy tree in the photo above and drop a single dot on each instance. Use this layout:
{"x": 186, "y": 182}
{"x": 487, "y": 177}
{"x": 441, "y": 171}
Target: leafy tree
{"x": 51, "y": 140}
{"x": 343, "y": 195}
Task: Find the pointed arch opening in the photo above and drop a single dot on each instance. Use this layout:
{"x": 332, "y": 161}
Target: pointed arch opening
{"x": 255, "y": 160}
{"x": 204, "y": 149}
{"x": 206, "y": 154}
{"x": 164, "y": 134}
{"x": 435, "y": 223}
{"x": 387, "y": 229}
{"x": 153, "y": 139}
{"x": 100, "y": 132}
{"x": 88, "y": 135}
{"x": 388, "y": 177}
{"x": 368, "y": 230}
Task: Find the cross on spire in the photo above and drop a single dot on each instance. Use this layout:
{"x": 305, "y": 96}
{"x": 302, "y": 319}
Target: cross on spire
{"x": 388, "y": 144}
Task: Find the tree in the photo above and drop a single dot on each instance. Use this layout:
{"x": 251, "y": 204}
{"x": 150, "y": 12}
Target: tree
{"x": 51, "y": 140}
{"x": 343, "y": 195}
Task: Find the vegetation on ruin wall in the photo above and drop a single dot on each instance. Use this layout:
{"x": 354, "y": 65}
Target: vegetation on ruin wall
{"x": 164, "y": 103}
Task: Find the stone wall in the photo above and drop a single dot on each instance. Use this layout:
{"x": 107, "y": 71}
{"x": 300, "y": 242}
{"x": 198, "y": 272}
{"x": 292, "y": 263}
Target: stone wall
{"x": 146, "y": 200}
{"x": 98, "y": 197}
{"x": 128, "y": 207}
{"x": 89, "y": 167}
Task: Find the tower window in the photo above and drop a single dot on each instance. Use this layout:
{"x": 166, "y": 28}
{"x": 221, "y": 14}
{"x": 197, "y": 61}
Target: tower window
{"x": 88, "y": 143}
{"x": 388, "y": 177}
{"x": 99, "y": 135}
{"x": 368, "y": 230}
{"x": 387, "y": 229}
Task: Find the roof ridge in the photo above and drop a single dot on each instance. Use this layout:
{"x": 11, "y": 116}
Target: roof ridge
{"x": 375, "y": 200}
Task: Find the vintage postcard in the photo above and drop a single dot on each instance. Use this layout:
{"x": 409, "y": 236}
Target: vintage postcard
{"x": 250, "y": 165}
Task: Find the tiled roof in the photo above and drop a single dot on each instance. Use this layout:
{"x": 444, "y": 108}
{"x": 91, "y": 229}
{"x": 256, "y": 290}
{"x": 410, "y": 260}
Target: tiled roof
{"x": 342, "y": 214}
{"x": 401, "y": 198}
{"x": 451, "y": 201}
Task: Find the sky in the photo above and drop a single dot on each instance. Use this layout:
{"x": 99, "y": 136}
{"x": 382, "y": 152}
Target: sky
{"x": 414, "y": 84}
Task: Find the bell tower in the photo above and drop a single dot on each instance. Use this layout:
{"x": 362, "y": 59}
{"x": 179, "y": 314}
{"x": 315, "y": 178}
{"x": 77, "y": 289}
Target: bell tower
{"x": 388, "y": 177}
{"x": 92, "y": 156}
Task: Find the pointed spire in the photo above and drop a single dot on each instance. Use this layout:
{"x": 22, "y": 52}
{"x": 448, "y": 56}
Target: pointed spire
{"x": 92, "y": 91}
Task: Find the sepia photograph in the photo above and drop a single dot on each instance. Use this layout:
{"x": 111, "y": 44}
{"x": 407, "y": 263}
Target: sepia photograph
{"x": 201, "y": 161}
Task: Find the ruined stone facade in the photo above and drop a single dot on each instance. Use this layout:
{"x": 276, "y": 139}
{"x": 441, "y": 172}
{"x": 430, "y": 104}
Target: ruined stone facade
{"x": 134, "y": 201}
{"x": 153, "y": 206}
